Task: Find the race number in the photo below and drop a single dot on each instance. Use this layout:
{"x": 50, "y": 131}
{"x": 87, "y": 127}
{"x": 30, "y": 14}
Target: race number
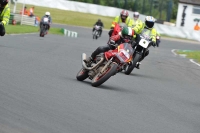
{"x": 46, "y": 20}
{"x": 144, "y": 43}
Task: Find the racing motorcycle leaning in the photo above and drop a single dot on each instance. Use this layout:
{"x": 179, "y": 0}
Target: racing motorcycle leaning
{"x": 44, "y": 27}
{"x": 105, "y": 64}
{"x": 139, "y": 50}
{"x": 96, "y": 32}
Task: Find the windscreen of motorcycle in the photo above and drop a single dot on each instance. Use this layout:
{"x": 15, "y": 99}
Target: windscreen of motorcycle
{"x": 125, "y": 52}
{"x": 146, "y": 34}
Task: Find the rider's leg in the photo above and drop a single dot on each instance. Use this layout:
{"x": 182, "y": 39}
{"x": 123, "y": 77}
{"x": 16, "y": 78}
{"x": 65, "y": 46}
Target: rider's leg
{"x": 2, "y": 30}
{"x": 142, "y": 58}
{"x": 99, "y": 50}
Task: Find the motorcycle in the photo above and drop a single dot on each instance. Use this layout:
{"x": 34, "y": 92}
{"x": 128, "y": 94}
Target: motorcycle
{"x": 105, "y": 64}
{"x": 43, "y": 29}
{"x": 96, "y": 32}
{"x": 139, "y": 50}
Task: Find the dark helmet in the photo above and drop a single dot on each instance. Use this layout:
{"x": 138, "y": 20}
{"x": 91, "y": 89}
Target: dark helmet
{"x": 127, "y": 34}
{"x": 149, "y": 21}
{"x": 99, "y": 20}
{"x": 3, "y": 3}
{"x": 124, "y": 14}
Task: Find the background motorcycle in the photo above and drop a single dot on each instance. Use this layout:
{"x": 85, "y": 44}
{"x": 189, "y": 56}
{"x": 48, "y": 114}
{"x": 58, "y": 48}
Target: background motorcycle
{"x": 96, "y": 32}
{"x": 139, "y": 51}
{"x": 105, "y": 64}
{"x": 44, "y": 29}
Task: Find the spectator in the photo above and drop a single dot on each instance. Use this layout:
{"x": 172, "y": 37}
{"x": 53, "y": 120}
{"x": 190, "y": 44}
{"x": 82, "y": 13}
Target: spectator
{"x": 31, "y": 12}
{"x": 25, "y": 11}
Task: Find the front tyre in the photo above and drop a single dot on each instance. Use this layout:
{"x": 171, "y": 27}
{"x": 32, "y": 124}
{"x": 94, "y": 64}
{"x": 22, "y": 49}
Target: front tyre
{"x": 82, "y": 75}
{"x": 129, "y": 68}
{"x": 101, "y": 78}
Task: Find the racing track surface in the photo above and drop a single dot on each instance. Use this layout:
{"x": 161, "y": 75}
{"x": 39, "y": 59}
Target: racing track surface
{"x": 39, "y": 92}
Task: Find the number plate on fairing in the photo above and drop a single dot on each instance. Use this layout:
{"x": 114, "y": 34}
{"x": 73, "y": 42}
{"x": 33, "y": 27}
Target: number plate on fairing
{"x": 144, "y": 43}
{"x": 46, "y": 19}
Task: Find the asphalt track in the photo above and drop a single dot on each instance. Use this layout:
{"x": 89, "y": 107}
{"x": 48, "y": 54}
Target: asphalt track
{"x": 39, "y": 92}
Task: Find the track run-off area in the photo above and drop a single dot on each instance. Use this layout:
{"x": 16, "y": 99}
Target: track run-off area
{"x": 39, "y": 92}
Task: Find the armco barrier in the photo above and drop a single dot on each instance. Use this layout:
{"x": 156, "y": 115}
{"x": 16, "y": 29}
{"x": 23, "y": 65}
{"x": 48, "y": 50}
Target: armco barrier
{"x": 69, "y": 33}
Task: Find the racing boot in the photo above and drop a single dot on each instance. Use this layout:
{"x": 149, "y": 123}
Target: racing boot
{"x": 88, "y": 60}
{"x": 138, "y": 65}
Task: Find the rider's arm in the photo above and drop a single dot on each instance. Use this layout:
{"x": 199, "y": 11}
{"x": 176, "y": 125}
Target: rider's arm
{"x": 153, "y": 35}
{"x": 115, "y": 21}
{"x": 138, "y": 28}
{"x": 6, "y": 15}
{"x": 50, "y": 20}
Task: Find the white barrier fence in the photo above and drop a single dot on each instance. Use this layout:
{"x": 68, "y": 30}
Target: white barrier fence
{"x": 112, "y": 12}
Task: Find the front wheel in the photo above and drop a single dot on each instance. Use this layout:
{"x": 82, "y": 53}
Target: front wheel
{"x": 82, "y": 75}
{"x": 94, "y": 34}
{"x": 101, "y": 78}
{"x": 129, "y": 68}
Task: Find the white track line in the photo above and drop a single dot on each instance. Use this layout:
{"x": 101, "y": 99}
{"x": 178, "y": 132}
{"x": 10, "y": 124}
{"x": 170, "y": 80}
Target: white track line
{"x": 194, "y": 62}
{"x": 173, "y": 51}
{"x": 191, "y": 60}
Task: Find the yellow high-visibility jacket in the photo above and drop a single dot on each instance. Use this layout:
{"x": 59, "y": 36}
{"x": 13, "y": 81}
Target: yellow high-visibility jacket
{"x": 118, "y": 20}
{"x": 5, "y": 15}
{"x": 136, "y": 22}
{"x": 140, "y": 27}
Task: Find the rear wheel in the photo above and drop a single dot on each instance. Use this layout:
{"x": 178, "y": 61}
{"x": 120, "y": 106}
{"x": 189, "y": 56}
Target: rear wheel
{"x": 82, "y": 75}
{"x": 129, "y": 68}
{"x": 101, "y": 78}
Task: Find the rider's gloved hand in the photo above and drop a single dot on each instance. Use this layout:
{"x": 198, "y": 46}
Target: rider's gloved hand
{"x": 112, "y": 42}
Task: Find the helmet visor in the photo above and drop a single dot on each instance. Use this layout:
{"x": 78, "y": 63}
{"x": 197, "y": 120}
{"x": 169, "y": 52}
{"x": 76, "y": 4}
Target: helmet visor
{"x": 149, "y": 24}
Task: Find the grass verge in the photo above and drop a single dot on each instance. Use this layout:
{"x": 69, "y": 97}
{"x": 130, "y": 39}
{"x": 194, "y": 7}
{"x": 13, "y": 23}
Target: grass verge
{"x": 16, "y": 29}
{"x": 190, "y": 54}
{"x": 69, "y": 17}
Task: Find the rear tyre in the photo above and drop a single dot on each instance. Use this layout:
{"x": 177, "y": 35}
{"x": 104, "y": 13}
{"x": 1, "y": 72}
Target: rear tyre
{"x": 82, "y": 75}
{"x": 101, "y": 78}
{"x": 129, "y": 68}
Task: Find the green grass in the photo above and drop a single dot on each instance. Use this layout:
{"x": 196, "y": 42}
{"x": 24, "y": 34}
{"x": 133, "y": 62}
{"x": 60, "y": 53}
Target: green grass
{"x": 191, "y": 54}
{"x": 16, "y": 29}
{"x": 69, "y": 17}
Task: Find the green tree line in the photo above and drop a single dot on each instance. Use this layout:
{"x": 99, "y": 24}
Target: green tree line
{"x": 165, "y": 10}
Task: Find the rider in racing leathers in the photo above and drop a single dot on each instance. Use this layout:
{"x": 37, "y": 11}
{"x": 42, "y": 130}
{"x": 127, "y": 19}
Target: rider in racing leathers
{"x": 98, "y": 23}
{"x": 46, "y": 19}
{"x": 126, "y": 35}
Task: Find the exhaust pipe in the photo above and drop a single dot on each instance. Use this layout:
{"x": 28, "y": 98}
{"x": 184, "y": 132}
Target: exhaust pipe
{"x": 90, "y": 68}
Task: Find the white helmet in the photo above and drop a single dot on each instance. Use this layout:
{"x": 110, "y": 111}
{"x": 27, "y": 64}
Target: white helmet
{"x": 149, "y": 21}
{"x": 47, "y": 13}
{"x": 136, "y": 15}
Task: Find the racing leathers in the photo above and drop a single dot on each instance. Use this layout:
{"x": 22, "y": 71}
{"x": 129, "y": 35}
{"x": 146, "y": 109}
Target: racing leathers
{"x": 4, "y": 19}
{"x": 98, "y": 23}
{"x": 46, "y": 20}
